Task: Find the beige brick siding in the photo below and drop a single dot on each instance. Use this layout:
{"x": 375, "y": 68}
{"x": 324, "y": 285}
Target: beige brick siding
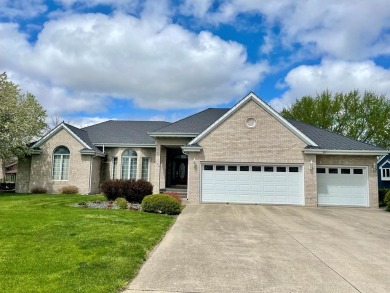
{"x": 23, "y": 178}
{"x": 1, "y": 171}
{"x": 310, "y": 181}
{"x": 366, "y": 161}
{"x": 41, "y": 165}
{"x": 232, "y": 141}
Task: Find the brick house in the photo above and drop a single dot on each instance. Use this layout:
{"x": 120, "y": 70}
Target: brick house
{"x": 246, "y": 154}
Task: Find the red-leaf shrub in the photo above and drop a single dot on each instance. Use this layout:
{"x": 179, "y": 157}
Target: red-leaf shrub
{"x": 131, "y": 190}
{"x": 175, "y": 195}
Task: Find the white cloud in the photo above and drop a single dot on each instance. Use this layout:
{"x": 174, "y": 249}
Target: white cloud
{"x": 159, "y": 65}
{"x": 335, "y": 28}
{"x": 336, "y": 76}
{"x": 21, "y": 8}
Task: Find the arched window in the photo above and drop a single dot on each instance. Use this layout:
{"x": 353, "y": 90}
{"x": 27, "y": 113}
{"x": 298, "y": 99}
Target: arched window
{"x": 61, "y": 157}
{"x": 129, "y": 164}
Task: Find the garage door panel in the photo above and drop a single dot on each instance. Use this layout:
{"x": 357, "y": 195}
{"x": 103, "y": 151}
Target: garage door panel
{"x": 342, "y": 189}
{"x": 248, "y": 184}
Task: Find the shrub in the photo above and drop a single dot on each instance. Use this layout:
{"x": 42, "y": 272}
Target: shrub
{"x": 175, "y": 195}
{"x": 38, "y": 190}
{"x": 141, "y": 188}
{"x": 386, "y": 199}
{"x": 381, "y": 196}
{"x": 161, "y": 203}
{"x": 131, "y": 190}
{"x": 69, "y": 189}
{"x": 121, "y": 203}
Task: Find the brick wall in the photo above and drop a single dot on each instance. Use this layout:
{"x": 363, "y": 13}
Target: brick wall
{"x": 232, "y": 141}
{"x": 41, "y": 165}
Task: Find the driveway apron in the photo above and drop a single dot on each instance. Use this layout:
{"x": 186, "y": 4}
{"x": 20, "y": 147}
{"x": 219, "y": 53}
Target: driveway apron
{"x": 249, "y": 248}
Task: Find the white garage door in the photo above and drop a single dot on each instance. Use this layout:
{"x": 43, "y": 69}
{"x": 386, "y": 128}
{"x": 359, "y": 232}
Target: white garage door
{"x": 342, "y": 186}
{"x": 224, "y": 182}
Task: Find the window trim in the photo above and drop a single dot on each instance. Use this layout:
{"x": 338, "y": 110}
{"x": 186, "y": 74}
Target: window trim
{"x": 142, "y": 167}
{"x": 129, "y": 169}
{"x": 383, "y": 171}
{"x": 61, "y": 173}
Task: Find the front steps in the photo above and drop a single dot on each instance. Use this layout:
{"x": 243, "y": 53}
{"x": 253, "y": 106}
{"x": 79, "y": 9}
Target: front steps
{"x": 180, "y": 189}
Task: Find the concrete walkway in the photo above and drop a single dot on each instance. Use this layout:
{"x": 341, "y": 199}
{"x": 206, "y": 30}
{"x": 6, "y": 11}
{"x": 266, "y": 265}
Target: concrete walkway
{"x": 248, "y": 248}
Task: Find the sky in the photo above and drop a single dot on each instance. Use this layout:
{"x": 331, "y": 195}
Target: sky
{"x": 87, "y": 61}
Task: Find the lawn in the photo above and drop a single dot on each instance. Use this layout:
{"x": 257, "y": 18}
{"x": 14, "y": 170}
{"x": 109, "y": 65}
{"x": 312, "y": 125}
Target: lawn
{"x": 48, "y": 246}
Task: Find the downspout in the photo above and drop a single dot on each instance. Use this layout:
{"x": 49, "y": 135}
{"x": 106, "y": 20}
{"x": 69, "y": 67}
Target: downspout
{"x": 90, "y": 174}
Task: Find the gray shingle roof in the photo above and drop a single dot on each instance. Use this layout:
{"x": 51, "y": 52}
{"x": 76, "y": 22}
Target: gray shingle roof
{"x": 124, "y": 132}
{"x": 194, "y": 124}
{"x": 329, "y": 140}
{"x": 84, "y": 136}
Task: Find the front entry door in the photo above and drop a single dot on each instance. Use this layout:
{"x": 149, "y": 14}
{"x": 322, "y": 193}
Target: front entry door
{"x": 179, "y": 171}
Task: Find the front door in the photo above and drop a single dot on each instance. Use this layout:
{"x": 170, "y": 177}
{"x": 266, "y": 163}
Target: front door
{"x": 179, "y": 173}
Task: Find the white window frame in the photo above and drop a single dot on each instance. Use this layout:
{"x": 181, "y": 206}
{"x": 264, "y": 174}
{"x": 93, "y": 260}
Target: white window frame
{"x": 114, "y": 167}
{"x": 61, "y": 166}
{"x": 129, "y": 165}
{"x": 384, "y": 176}
{"x": 142, "y": 169}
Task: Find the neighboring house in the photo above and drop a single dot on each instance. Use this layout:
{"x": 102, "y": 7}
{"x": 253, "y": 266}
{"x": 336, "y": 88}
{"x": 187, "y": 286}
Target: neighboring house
{"x": 11, "y": 170}
{"x": 246, "y": 154}
{"x": 384, "y": 172}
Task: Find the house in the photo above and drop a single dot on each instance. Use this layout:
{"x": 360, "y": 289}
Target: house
{"x": 246, "y": 154}
{"x": 384, "y": 172}
{"x": 11, "y": 170}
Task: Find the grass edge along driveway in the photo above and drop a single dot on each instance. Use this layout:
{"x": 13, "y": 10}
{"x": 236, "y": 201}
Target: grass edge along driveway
{"x": 48, "y": 246}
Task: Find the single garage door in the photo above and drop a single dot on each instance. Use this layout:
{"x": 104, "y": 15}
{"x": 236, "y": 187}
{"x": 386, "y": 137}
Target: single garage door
{"x": 270, "y": 184}
{"x": 342, "y": 186}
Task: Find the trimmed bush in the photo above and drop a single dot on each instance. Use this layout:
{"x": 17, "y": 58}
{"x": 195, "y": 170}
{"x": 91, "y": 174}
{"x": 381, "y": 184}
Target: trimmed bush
{"x": 175, "y": 195}
{"x": 69, "y": 189}
{"x": 381, "y": 196}
{"x": 133, "y": 191}
{"x": 121, "y": 203}
{"x": 161, "y": 203}
{"x": 38, "y": 190}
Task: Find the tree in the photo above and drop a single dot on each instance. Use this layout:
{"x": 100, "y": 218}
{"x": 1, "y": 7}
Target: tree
{"x": 363, "y": 117}
{"x": 22, "y": 119}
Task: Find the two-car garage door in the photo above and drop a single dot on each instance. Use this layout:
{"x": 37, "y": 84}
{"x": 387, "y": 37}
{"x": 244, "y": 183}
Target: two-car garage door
{"x": 270, "y": 184}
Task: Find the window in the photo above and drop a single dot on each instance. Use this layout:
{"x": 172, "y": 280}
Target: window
{"x": 244, "y": 168}
{"x": 293, "y": 169}
{"x": 232, "y": 168}
{"x": 345, "y": 171}
{"x": 333, "y": 171}
{"x": 114, "y": 166}
{"x": 220, "y": 168}
{"x": 386, "y": 174}
{"x": 256, "y": 168}
{"x": 145, "y": 169}
{"x": 268, "y": 169}
{"x": 280, "y": 169}
{"x": 321, "y": 170}
{"x": 208, "y": 167}
{"x": 129, "y": 164}
{"x": 357, "y": 171}
{"x": 61, "y": 158}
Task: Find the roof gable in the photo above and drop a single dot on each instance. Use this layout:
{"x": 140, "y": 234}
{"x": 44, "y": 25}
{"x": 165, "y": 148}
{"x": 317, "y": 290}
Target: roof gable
{"x": 264, "y": 106}
{"x": 383, "y": 159}
{"x": 58, "y": 128}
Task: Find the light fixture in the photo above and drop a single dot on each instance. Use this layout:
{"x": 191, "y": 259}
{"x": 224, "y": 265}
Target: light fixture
{"x": 194, "y": 162}
{"x": 311, "y": 165}
{"x": 374, "y": 166}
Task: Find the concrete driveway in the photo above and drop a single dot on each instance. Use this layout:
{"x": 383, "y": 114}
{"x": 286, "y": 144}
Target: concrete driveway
{"x": 248, "y": 248}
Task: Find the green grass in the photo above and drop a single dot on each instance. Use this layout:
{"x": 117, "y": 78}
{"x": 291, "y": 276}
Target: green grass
{"x": 48, "y": 246}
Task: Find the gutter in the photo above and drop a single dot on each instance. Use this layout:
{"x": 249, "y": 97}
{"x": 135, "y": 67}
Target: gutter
{"x": 345, "y": 152}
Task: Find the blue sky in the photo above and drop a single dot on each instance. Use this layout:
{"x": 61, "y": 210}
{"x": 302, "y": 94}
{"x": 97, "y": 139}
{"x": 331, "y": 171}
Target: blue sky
{"x": 91, "y": 60}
